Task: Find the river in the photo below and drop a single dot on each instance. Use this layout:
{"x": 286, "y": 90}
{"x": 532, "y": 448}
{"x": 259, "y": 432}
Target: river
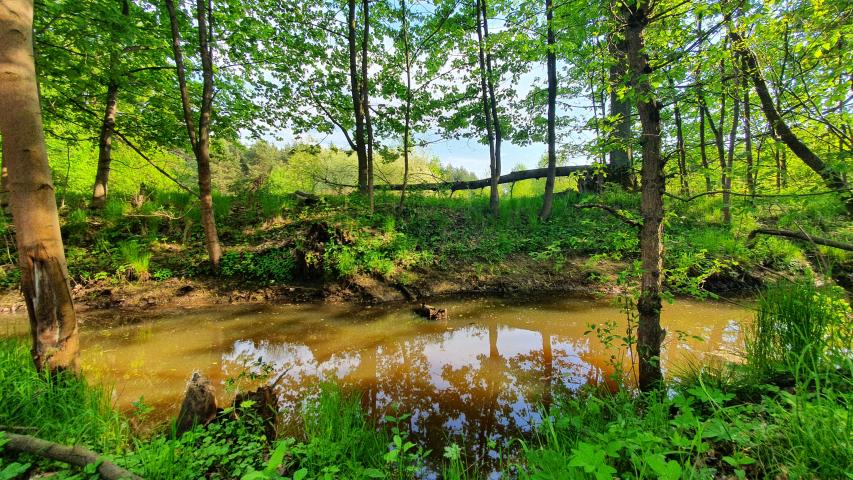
{"x": 483, "y": 375}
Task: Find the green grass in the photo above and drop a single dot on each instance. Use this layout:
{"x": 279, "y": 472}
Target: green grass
{"x": 717, "y": 420}
{"x": 784, "y": 413}
{"x": 797, "y": 326}
{"x": 62, "y": 408}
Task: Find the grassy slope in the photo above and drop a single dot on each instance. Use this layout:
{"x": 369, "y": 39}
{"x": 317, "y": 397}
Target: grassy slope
{"x": 270, "y": 240}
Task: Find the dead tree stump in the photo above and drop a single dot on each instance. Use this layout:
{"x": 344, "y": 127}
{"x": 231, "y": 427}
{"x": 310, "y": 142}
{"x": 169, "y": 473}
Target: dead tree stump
{"x": 264, "y": 405}
{"x": 199, "y": 405}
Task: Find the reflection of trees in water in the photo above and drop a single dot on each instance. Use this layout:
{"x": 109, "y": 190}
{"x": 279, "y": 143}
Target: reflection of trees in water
{"x": 483, "y": 397}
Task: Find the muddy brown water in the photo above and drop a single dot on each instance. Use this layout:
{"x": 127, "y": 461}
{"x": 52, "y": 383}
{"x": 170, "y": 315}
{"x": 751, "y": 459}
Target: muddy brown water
{"x": 482, "y": 376}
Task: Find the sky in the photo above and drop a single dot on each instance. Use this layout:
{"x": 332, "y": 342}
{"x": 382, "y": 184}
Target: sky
{"x": 463, "y": 152}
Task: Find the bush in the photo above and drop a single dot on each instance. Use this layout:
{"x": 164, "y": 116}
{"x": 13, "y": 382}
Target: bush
{"x": 272, "y": 265}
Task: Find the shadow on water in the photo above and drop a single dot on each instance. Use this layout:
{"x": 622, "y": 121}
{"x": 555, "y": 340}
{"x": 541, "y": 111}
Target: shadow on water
{"x": 477, "y": 379}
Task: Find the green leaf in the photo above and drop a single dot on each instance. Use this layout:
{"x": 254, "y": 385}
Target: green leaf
{"x": 373, "y": 473}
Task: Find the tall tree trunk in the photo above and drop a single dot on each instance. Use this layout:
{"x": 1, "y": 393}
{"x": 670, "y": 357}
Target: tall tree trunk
{"x": 619, "y": 167}
{"x": 551, "y": 60}
{"x": 832, "y": 178}
{"x": 357, "y": 103}
{"x": 700, "y": 101}
{"x": 727, "y": 166}
{"x": 408, "y": 102}
{"x": 653, "y": 185}
{"x": 365, "y": 98}
{"x": 200, "y": 141}
{"x": 208, "y": 219}
{"x": 484, "y": 91}
{"x": 105, "y": 143}
{"x": 4, "y": 184}
{"x": 703, "y": 150}
{"x": 494, "y": 195}
{"x": 679, "y": 146}
{"x": 44, "y": 275}
{"x": 747, "y": 132}
{"x": 717, "y": 131}
{"x": 102, "y": 177}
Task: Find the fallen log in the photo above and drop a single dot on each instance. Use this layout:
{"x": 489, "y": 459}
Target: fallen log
{"x": 431, "y": 313}
{"x": 801, "y": 236}
{"x": 306, "y": 199}
{"x": 76, "y": 455}
{"x": 485, "y": 182}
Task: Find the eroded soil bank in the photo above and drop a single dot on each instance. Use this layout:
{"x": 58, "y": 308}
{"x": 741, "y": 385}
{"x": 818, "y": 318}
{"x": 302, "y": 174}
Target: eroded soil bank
{"x": 519, "y": 276}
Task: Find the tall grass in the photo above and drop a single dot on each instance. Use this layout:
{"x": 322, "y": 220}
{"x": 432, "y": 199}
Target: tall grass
{"x": 63, "y": 408}
{"x": 796, "y": 326}
{"x": 136, "y": 257}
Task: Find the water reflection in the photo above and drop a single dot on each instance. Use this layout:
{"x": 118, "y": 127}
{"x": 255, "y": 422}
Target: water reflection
{"x": 482, "y": 375}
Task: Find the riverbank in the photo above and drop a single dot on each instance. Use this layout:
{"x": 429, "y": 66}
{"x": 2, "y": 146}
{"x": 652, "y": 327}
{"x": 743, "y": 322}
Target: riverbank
{"x": 517, "y": 276}
{"x": 280, "y": 250}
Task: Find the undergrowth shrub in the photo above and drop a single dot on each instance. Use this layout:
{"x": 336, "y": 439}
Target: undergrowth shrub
{"x": 135, "y": 258}
{"x": 271, "y": 265}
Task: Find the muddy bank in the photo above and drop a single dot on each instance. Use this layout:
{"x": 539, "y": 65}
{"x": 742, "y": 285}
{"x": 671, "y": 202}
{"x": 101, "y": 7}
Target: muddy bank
{"x": 518, "y": 276}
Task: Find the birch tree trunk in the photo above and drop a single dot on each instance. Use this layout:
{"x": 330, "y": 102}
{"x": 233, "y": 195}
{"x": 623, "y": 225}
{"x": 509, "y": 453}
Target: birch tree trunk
{"x": 44, "y": 276}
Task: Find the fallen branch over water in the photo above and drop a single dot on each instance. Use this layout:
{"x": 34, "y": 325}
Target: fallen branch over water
{"x": 75, "y": 455}
{"x": 801, "y": 236}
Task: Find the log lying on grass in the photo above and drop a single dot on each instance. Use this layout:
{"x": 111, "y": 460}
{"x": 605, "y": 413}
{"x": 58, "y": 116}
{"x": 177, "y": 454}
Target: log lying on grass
{"x": 485, "y": 182}
{"x": 75, "y": 455}
{"x": 306, "y": 199}
{"x": 431, "y": 313}
{"x": 801, "y": 236}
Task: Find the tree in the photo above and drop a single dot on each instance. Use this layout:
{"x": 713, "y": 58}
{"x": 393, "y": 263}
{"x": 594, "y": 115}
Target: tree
{"x": 635, "y": 18}
{"x": 490, "y": 112}
{"x": 199, "y": 140}
{"x": 44, "y": 275}
{"x": 831, "y": 177}
{"x": 619, "y": 163}
{"x": 551, "y": 60}
{"x": 104, "y": 68}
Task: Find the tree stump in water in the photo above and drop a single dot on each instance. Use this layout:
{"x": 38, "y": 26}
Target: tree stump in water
{"x": 431, "y": 313}
{"x": 199, "y": 405}
{"x": 264, "y": 405}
